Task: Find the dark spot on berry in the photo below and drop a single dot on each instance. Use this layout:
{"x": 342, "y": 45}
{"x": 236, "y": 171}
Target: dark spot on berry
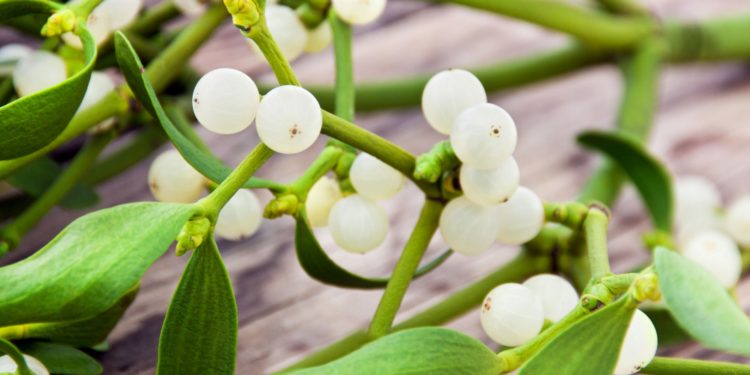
{"x": 487, "y": 305}
{"x": 294, "y": 131}
{"x": 496, "y": 132}
{"x": 196, "y": 101}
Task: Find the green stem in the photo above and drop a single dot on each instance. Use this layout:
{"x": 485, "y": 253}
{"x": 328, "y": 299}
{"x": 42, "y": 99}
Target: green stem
{"x": 407, "y": 264}
{"x": 626, "y": 7}
{"x": 84, "y": 8}
{"x": 590, "y": 26}
{"x": 279, "y": 64}
{"x": 322, "y": 164}
{"x": 717, "y": 39}
{"x": 595, "y": 229}
{"x": 8, "y": 348}
{"x": 342, "y": 47}
{"x": 679, "y": 366}
{"x": 453, "y": 306}
{"x": 57, "y": 191}
{"x": 154, "y": 18}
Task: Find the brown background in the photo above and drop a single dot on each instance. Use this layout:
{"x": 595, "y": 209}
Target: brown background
{"x": 702, "y": 128}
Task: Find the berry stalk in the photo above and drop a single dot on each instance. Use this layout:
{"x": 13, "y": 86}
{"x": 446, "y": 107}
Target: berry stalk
{"x": 682, "y": 366}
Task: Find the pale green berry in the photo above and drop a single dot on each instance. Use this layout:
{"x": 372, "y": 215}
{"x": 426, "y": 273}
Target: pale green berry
{"x": 287, "y": 30}
{"x": 512, "y": 314}
{"x": 241, "y": 216}
{"x": 37, "y": 71}
{"x": 120, "y": 12}
{"x": 9, "y": 56}
{"x": 8, "y": 366}
{"x": 718, "y": 254}
{"x": 738, "y": 220}
{"x": 358, "y": 224}
{"x": 100, "y": 85}
{"x": 289, "y": 119}
{"x": 321, "y": 198}
{"x": 449, "y": 93}
{"x": 319, "y": 38}
{"x": 490, "y": 187}
{"x": 99, "y": 25}
{"x": 374, "y": 179}
{"x": 225, "y": 101}
{"x": 468, "y": 228}
{"x": 521, "y": 218}
{"x": 359, "y": 12}
{"x": 639, "y": 346}
{"x": 695, "y": 196}
{"x": 558, "y": 296}
{"x": 172, "y": 179}
{"x": 484, "y": 136}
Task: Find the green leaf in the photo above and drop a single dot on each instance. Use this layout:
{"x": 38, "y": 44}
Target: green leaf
{"x": 428, "y": 351}
{"x": 90, "y": 265}
{"x": 202, "y": 160}
{"x": 61, "y": 359}
{"x": 199, "y": 335}
{"x": 81, "y": 333}
{"x": 318, "y": 265}
{"x": 37, "y": 176}
{"x": 649, "y": 175}
{"x": 15, "y": 8}
{"x": 700, "y": 305}
{"x": 589, "y": 346}
{"x": 31, "y": 122}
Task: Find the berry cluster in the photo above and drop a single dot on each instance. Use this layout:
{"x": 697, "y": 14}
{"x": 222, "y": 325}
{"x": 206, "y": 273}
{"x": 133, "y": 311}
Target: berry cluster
{"x": 109, "y": 16}
{"x": 512, "y": 314}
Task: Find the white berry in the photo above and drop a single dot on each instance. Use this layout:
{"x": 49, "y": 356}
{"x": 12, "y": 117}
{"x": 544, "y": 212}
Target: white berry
{"x": 521, "y": 218}
{"x": 484, "y": 136}
{"x": 738, "y": 220}
{"x": 358, "y": 224}
{"x": 287, "y": 30}
{"x": 359, "y": 12}
{"x": 120, "y": 12}
{"x": 225, "y": 101}
{"x": 639, "y": 346}
{"x": 38, "y": 71}
{"x": 7, "y": 365}
{"x": 172, "y": 179}
{"x": 468, "y": 228}
{"x": 695, "y": 196}
{"x": 9, "y": 56}
{"x": 490, "y": 186}
{"x": 449, "y": 93}
{"x": 289, "y": 119}
{"x": 321, "y": 198}
{"x": 718, "y": 254}
{"x": 241, "y": 216}
{"x": 695, "y": 224}
{"x": 99, "y": 25}
{"x": 512, "y": 314}
{"x": 319, "y": 38}
{"x": 100, "y": 85}
{"x": 374, "y": 179}
{"x": 190, "y": 7}
{"x": 557, "y": 295}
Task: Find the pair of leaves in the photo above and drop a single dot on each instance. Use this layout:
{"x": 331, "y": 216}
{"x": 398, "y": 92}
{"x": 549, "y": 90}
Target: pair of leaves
{"x": 700, "y": 305}
{"x": 35, "y": 177}
{"x": 31, "y": 122}
{"x": 649, "y": 175}
{"x": 202, "y": 160}
{"x": 428, "y": 351}
{"x": 90, "y": 264}
{"x": 589, "y": 346}
{"x": 199, "y": 335}
{"x": 318, "y": 265}
{"x": 61, "y": 359}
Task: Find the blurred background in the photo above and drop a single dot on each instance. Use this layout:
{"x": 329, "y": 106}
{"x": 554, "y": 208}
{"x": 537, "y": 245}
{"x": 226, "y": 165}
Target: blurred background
{"x": 702, "y": 128}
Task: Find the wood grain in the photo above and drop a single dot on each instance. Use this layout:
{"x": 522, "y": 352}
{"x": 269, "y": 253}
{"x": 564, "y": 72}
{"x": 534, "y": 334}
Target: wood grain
{"x": 702, "y": 128}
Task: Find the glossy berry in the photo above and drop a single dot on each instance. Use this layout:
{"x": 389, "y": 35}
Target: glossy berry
{"x": 484, "y": 136}
{"x": 9, "y": 56}
{"x": 449, "y": 93}
{"x": 639, "y": 346}
{"x": 718, "y": 254}
{"x": 512, "y": 315}
{"x": 374, "y": 179}
{"x": 468, "y": 228}
{"x": 738, "y": 220}
{"x": 190, "y": 7}
{"x": 359, "y": 12}
{"x": 120, "y": 12}
{"x": 490, "y": 187}
{"x": 321, "y": 198}
{"x": 99, "y": 25}
{"x": 319, "y": 38}
{"x": 38, "y": 71}
{"x": 7, "y": 365}
{"x": 225, "y": 101}
{"x": 521, "y": 218}
{"x": 287, "y": 30}
{"x": 289, "y": 119}
{"x": 558, "y": 296}
{"x": 695, "y": 196}
{"x": 241, "y": 216}
{"x": 358, "y": 224}
{"x": 172, "y": 179}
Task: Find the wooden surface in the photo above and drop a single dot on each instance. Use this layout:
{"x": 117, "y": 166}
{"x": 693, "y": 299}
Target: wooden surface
{"x": 702, "y": 128}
